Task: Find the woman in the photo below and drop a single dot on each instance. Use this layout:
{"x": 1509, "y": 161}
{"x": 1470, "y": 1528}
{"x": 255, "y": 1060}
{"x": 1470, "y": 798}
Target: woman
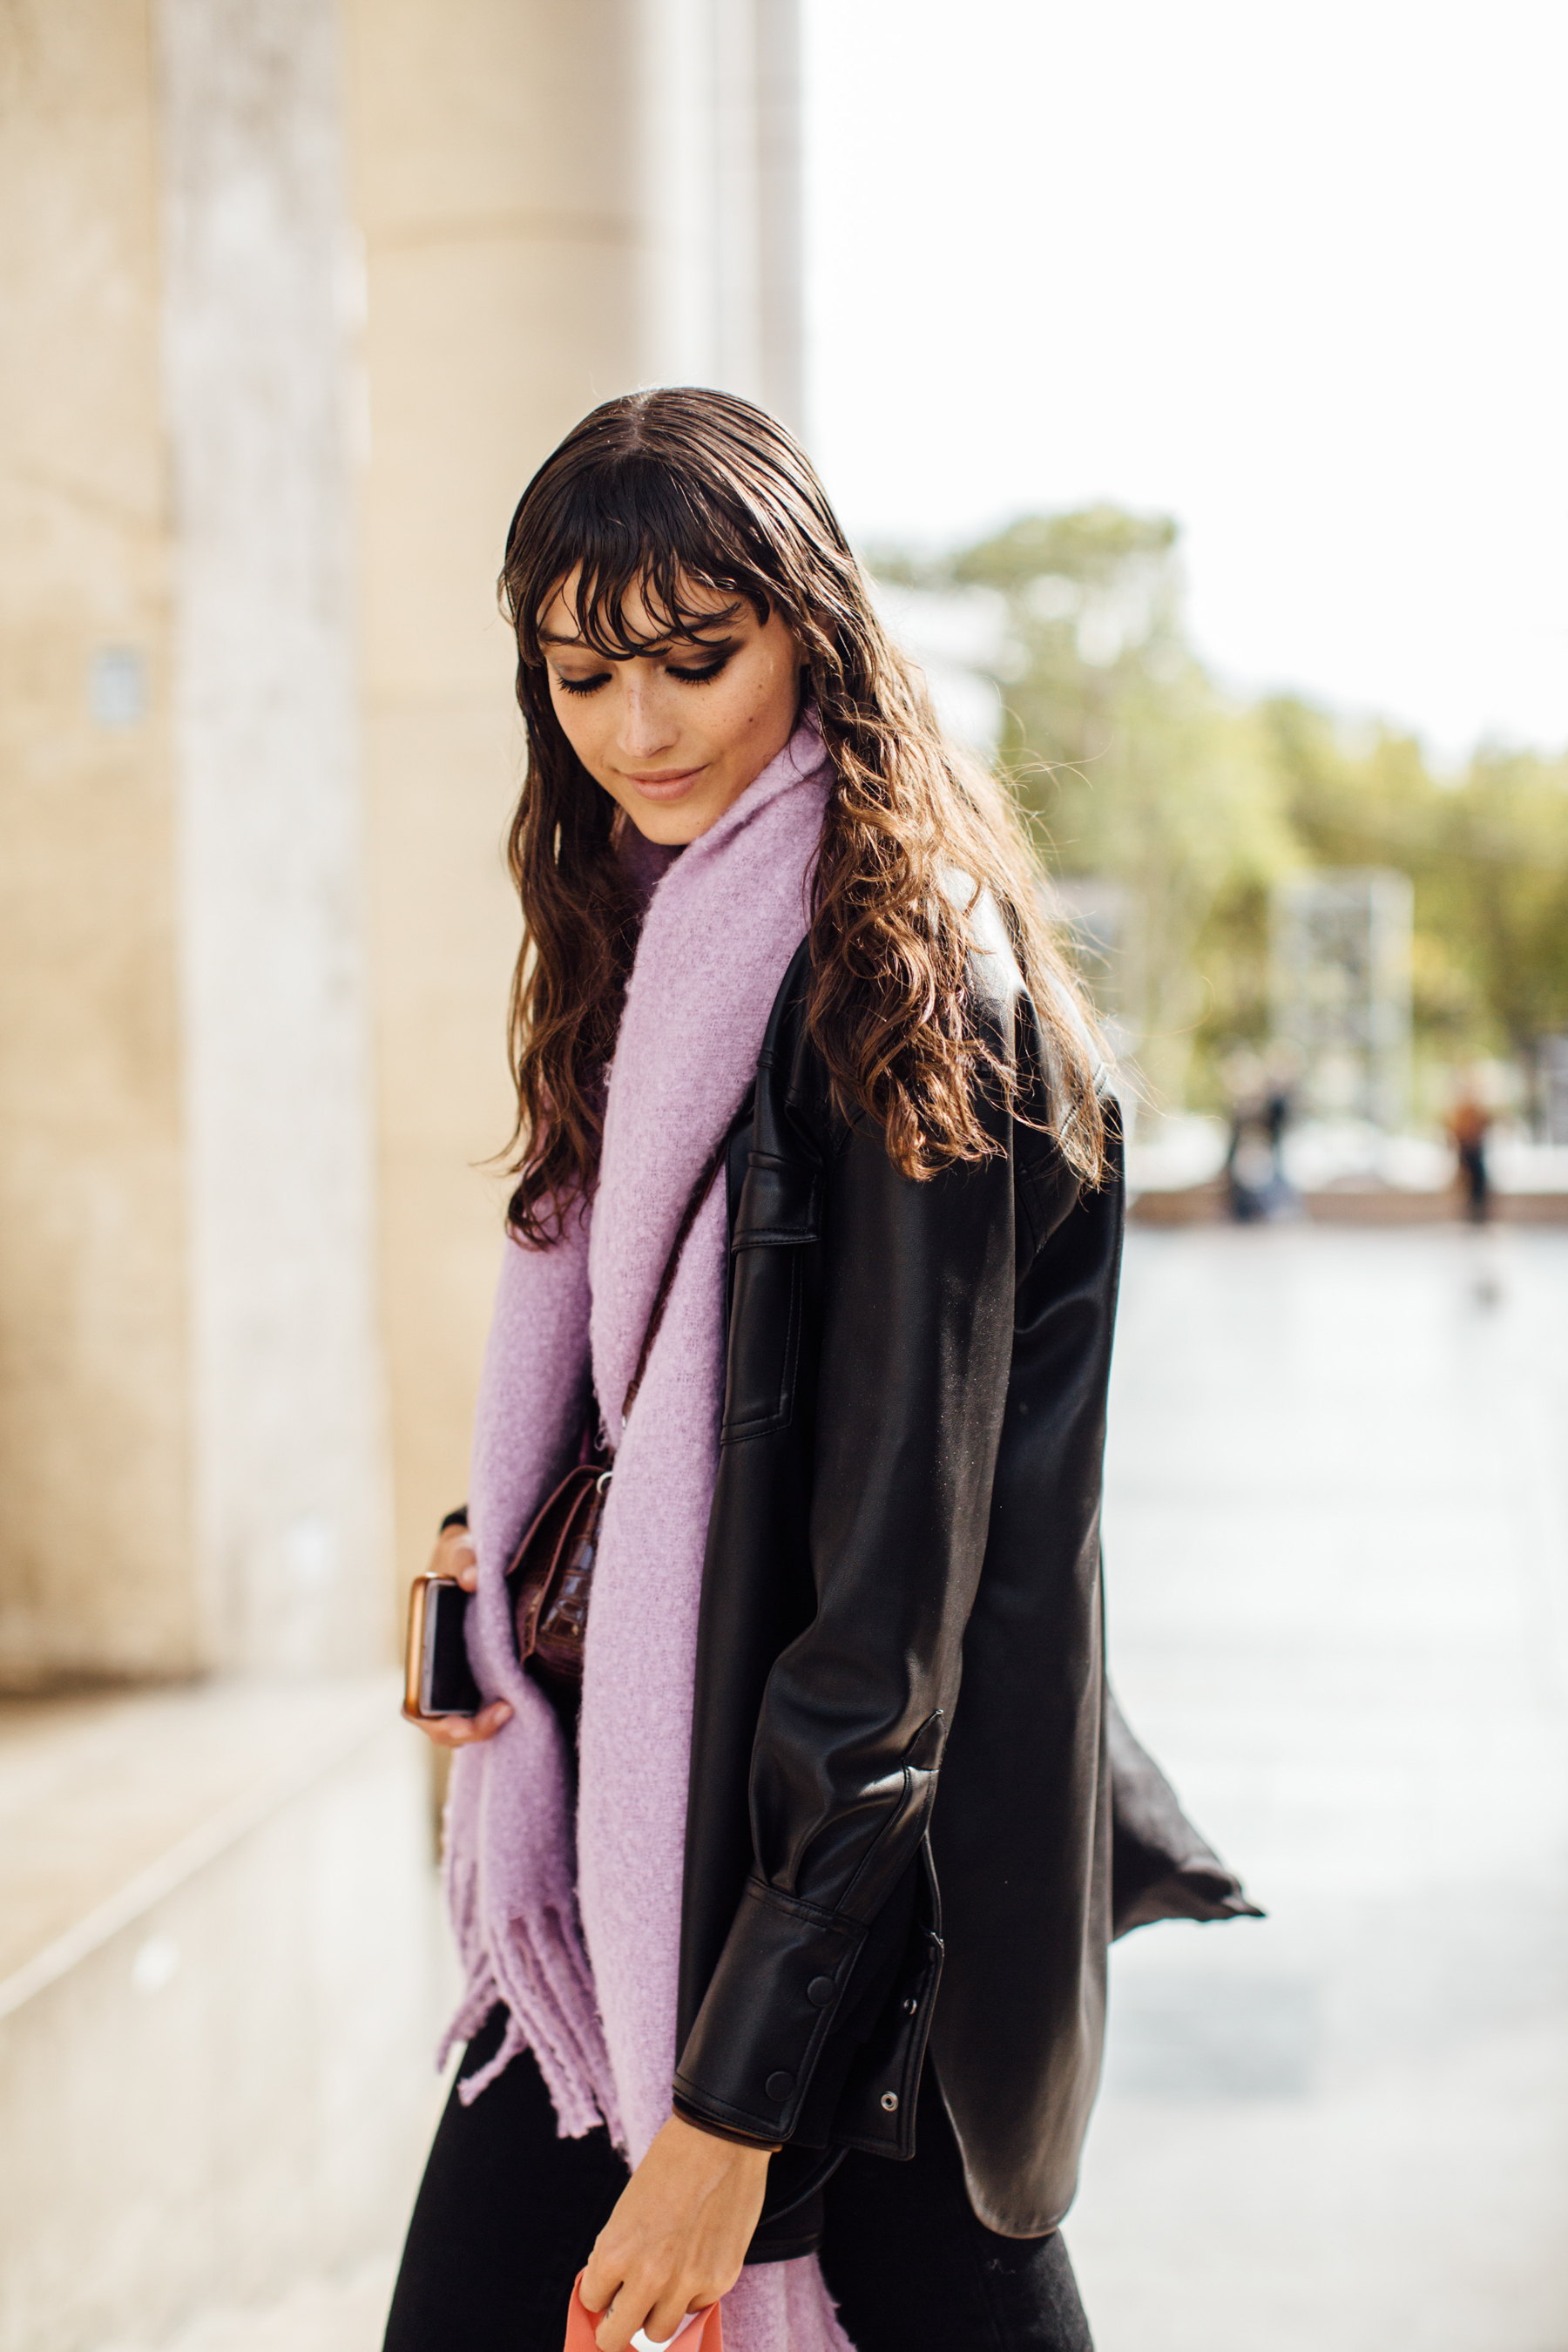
{"x": 804, "y": 1089}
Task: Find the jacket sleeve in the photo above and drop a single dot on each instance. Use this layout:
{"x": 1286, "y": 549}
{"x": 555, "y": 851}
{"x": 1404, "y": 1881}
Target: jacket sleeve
{"x": 916, "y": 1347}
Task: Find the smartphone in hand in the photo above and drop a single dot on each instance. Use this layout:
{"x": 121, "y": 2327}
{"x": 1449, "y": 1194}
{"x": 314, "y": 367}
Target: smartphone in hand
{"x": 438, "y": 1680}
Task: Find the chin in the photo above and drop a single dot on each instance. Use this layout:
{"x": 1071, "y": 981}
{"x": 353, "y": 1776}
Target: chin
{"x": 672, "y": 825}
{"x": 668, "y": 828}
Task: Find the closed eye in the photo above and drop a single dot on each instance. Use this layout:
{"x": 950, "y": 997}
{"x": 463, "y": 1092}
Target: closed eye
{"x": 700, "y": 677}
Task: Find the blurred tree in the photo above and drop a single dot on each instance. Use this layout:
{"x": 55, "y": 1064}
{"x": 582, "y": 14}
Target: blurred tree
{"x": 1487, "y": 854}
{"x": 1139, "y": 773}
{"x": 1505, "y": 899}
{"x": 1133, "y": 767}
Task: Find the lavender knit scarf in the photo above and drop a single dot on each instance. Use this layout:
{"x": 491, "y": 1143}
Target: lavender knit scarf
{"x": 579, "y": 1935}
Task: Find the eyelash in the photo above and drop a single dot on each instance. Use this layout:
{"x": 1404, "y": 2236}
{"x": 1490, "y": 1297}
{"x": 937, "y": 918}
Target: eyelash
{"x": 688, "y": 677}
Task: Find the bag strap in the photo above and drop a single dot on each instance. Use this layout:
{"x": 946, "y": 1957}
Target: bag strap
{"x": 699, "y": 1191}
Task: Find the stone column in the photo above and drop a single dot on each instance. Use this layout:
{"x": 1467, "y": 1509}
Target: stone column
{"x": 559, "y": 203}
{"x": 258, "y": 314}
{"x": 757, "y": 208}
{"x": 720, "y": 126}
{"x": 780, "y": 294}
{"x": 497, "y": 181}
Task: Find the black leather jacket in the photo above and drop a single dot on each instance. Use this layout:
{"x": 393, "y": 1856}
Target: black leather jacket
{"x": 899, "y": 1827}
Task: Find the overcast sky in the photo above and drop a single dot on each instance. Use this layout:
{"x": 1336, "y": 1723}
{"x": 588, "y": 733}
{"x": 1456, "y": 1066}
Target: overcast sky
{"x": 1295, "y": 275}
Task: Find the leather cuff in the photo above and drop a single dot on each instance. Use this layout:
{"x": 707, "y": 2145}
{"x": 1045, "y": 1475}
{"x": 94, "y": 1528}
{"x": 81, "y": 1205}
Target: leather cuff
{"x": 721, "y": 2131}
{"x": 780, "y": 1979}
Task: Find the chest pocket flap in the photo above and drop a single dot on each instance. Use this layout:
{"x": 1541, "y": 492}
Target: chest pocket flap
{"x": 779, "y": 1213}
{"x": 780, "y": 1204}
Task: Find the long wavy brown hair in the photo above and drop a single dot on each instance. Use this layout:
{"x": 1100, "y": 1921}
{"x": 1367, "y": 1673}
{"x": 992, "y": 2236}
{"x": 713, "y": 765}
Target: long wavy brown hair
{"x": 661, "y": 492}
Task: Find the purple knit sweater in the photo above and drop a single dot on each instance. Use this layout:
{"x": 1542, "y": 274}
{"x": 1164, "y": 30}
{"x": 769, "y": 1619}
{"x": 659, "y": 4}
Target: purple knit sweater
{"x": 576, "y": 1925}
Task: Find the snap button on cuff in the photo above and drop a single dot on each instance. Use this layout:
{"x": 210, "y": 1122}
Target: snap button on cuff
{"x": 821, "y": 1992}
{"x": 779, "y": 2087}
{"x": 889, "y": 2102}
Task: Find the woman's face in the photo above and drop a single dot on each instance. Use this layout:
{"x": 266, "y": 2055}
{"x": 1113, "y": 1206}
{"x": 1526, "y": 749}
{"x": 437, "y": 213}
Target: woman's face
{"x": 676, "y": 733}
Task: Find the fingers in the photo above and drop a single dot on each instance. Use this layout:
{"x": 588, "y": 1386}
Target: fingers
{"x": 464, "y": 1730}
{"x": 601, "y": 2281}
{"x": 610, "y": 2287}
{"x": 615, "y": 2330}
{"x": 455, "y": 1555}
{"x": 653, "y": 2293}
{"x": 662, "y": 2314}
{"x": 664, "y": 2320}
{"x": 467, "y": 1729}
{"x": 678, "y": 2237}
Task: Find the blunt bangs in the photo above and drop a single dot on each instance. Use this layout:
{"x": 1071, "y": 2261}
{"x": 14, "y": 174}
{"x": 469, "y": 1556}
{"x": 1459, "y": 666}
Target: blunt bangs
{"x": 628, "y": 525}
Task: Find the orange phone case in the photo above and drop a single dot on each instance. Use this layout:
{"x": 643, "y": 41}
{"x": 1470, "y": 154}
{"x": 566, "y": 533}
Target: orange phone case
{"x": 413, "y": 1653}
{"x": 703, "y": 2335}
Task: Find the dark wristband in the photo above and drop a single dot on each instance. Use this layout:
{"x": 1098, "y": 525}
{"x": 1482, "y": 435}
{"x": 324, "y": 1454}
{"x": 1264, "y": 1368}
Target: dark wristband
{"x": 457, "y": 1519}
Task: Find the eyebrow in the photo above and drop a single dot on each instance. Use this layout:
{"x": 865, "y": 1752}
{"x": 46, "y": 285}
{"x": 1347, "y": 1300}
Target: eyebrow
{"x": 646, "y": 653}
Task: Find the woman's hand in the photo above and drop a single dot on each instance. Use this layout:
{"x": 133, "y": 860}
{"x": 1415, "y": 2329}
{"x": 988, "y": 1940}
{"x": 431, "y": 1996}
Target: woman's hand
{"x": 455, "y": 1555}
{"x": 678, "y": 2236}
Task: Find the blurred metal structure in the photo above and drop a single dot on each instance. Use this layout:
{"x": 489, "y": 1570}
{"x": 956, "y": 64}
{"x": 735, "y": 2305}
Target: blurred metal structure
{"x": 1553, "y": 1068}
{"x": 1341, "y": 943}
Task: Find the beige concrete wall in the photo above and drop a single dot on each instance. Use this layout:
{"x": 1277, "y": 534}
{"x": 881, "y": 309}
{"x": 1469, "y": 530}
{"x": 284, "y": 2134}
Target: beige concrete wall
{"x": 497, "y": 182}
{"x": 292, "y": 1480}
{"x": 555, "y": 203}
{"x": 95, "y": 1548}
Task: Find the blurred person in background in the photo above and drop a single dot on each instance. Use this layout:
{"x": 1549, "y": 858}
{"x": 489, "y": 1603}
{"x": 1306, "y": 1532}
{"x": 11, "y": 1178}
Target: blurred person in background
{"x": 1470, "y": 1121}
{"x": 1262, "y": 1091}
{"x": 805, "y": 1098}
{"x": 1282, "y": 1074}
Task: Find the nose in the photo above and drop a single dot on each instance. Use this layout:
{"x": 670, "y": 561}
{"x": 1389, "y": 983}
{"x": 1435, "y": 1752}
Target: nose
{"x": 648, "y": 724}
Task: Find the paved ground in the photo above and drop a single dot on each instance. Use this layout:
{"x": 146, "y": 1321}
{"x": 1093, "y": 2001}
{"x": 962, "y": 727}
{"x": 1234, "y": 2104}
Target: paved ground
{"x": 333, "y": 2316}
{"x": 1337, "y": 1535}
{"x": 1338, "y": 1543}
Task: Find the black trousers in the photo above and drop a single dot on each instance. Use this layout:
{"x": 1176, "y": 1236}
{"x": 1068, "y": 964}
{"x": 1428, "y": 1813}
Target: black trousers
{"x": 508, "y": 2213}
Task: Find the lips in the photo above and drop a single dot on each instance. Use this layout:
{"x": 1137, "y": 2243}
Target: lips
{"x": 668, "y": 787}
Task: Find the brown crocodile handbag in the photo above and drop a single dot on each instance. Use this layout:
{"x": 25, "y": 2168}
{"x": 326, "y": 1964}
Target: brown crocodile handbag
{"x": 552, "y": 1568}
